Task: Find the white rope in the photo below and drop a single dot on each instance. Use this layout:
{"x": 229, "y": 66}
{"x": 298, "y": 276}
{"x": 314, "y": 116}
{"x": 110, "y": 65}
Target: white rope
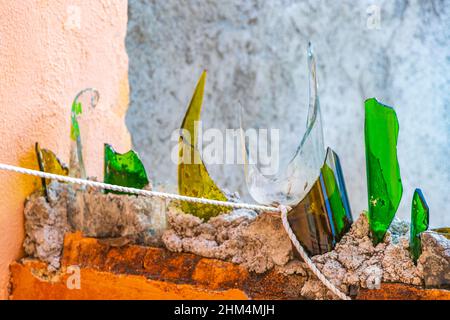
{"x": 163, "y": 195}
{"x": 148, "y": 193}
{"x": 304, "y": 255}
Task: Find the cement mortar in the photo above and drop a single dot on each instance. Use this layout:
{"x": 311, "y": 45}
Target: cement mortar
{"x": 110, "y": 216}
{"x": 257, "y": 242}
{"x": 435, "y": 260}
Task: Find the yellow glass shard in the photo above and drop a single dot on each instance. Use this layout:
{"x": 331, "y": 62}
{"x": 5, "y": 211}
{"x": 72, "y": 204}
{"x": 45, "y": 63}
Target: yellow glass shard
{"x": 193, "y": 177}
{"x": 49, "y": 162}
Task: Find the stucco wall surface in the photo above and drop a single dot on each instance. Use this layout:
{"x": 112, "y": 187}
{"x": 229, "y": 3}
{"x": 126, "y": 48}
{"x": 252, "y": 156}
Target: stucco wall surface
{"x": 50, "y": 50}
{"x": 254, "y": 52}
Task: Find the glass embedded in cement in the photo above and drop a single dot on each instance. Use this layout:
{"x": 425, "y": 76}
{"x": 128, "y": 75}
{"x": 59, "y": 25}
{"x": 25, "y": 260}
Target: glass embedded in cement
{"x": 49, "y": 162}
{"x": 77, "y": 168}
{"x": 419, "y": 223}
{"x": 124, "y": 169}
{"x": 193, "y": 177}
{"x": 292, "y": 183}
{"x": 384, "y": 183}
{"x": 323, "y": 216}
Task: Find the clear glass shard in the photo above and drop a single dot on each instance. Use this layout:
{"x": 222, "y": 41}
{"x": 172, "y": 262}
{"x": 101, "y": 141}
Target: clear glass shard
{"x": 76, "y": 165}
{"x": 292, "y": 182}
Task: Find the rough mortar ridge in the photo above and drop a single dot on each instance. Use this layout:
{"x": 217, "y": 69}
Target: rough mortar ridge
{"x": 70, "y": 208}
{"x": 258, "y": 242}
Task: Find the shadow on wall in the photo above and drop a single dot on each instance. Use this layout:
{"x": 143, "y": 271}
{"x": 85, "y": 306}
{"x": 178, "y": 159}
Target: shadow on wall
{"x": 255, "y": 53}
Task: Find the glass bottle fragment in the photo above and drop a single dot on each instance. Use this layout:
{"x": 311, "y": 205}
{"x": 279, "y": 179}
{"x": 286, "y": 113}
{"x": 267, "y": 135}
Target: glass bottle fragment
{"x": 323, "y": 216}
{"x": 123, "y": 169}
{"x": 49, "y": 162}
{"x": 193, "y": 177}
{"x": 77, "y": 168}
{"x": 443, "y": 232}
{"x": 419, "y": 223}
{"x": 293, "y": 182}
{"x": 384, "y": 183}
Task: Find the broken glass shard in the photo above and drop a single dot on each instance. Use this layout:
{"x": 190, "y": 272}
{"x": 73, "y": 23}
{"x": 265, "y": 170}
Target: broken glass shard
{"x": 384, "y": 184}
{"x": 124, "y": 169}
{"x": 323, "y": 216}
{"x": 442, "y": 231}
{"x": 49, "y": 162}
{"x": 292, "y": 182}
{"x": 77, "y": 168}
{"x": 419, "y": 223}
{"x": 193, "y": 177}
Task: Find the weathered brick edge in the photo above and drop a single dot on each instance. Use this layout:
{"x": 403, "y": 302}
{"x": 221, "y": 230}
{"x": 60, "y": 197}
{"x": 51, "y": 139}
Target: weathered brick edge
{"x": 132, "y": 271}
{"x": 136, "y": 272}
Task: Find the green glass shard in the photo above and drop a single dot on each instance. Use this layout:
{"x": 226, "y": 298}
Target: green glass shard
{"x": 334, "y": 198}
{"x": 124, "y": 169}
{"x": 49, "y": 162}
{"x": 77, "y": 168}
{"x": 193, "y": 177}
{"x": 384, "y": 184}
{"x": 419, "y": 223}
{"x": 77, "y": 109}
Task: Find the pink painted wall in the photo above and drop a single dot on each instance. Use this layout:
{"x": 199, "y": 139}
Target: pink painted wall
{"x": 49, "y": 50}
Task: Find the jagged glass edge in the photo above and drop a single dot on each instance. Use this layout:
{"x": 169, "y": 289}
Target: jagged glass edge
{"x": 76, "y": 164}
{"x": 443, "y": 231}
{"x": 339, "y": 175}
{"x": 41, "y": 163}
{"x": 303, "y": 163}
{"x": 184, "y": 143}
{"x": 107, "y": 146}
{"x": 327, "y": 220}
{"x": 415, "y": 244}
{"x": 370, "y": 188}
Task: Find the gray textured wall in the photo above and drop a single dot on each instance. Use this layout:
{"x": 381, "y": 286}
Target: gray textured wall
{"x": 254, "y": 52}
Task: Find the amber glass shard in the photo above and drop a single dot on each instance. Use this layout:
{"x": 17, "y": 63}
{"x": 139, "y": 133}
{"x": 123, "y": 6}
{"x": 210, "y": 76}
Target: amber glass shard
{"x": 443, "y": 232}
{"x": 292, "y": 182}
{"x": 77, "y": 168}
{"x": 384, "y": 184}
{"x": 419, "y": 223}
{"x": 124, "y": 169}
{"x": 193, "y": 177}
{"x": 323, "y": 216}
{"x": 49, "y": 162}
